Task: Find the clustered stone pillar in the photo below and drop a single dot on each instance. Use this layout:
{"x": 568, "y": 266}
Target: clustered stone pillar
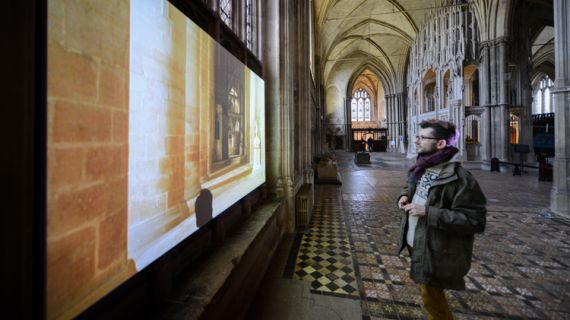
{"x": 503, "y": 137}
{"x": 348, "y": 136}
{"x": 560, "y": 193}
{"x": 484, "y": 98}
{"x": 495, "y": 115}
{"x": 396, "y": 117}
{"x": 390, "y": 116}
{"x": 279, "y": 107}
{"x": 305, "y": 116}
{"x": 401, "y": 125}
{"x": 493, "y": 96}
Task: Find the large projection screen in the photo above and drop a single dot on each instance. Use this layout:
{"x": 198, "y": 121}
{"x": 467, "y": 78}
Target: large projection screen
{"x": 153, "y": 130}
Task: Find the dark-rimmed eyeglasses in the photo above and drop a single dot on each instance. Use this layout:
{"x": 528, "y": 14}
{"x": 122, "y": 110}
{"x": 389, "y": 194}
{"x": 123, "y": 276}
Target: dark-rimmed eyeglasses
{"x": 426, "y": 138}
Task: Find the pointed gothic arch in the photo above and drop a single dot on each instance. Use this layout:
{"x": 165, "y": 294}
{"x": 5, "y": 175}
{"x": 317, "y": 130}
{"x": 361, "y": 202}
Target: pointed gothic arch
{"x": 376, "y": 103}
{"x": 429, "y": 91}
{"x": 470, "y": 85}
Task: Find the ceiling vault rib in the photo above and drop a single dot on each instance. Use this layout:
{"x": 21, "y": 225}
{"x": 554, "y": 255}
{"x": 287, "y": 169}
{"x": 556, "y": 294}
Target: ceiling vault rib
{"x": 341, "y": 37}
{"x": 351, "y": 40}
{"x": 405, "y": 14}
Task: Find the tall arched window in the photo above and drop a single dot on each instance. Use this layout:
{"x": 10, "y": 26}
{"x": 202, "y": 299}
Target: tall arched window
{"x": 537, "y": 102}
{"x": 514, "y": 129}
{"x": 226, "y": 12}
{"x": 360, "y": 109}
{"x": 429, "y": 104}
{"x": 472, "y": 129}
{"x": 367, "y": 110}
{"x": 361, "y": 106}
{"x": 243, "y": 19}
{"x": 547, "y": 108}
{"x": 353, "y": 109}
{"x": 542, "y": 101}
{"x": 251, "y": 24}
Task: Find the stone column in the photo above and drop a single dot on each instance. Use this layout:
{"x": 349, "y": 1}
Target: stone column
{"x": 279, "y": 106}
{"x": 388, "y": 99}
{"x": 403, "y": 108}
{"x": 398, "y": 114}
{"x": 395, "y": 118}
{"x": 392, "y": 118}
{"x": 560, "y": 194}
{"x": 305, "y": 101}
{"x": 502, "y": 138}
{"x": 401, "y": 119}
{"x": 484, "y": 94}
{"x": 348, "y": 136}
{"x": 398, "y": 119}
{"x": 495, "y": 114}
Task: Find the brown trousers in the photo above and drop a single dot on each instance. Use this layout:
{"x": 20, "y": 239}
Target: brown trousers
{"x": 434, "y": 301}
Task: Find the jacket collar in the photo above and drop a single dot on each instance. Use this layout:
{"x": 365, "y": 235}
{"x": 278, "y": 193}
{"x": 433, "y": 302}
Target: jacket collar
{"x": 447, "y": 173}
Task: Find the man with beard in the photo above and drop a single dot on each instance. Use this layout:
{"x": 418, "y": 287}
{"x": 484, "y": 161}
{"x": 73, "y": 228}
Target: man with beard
{"x": 443, "y": 208}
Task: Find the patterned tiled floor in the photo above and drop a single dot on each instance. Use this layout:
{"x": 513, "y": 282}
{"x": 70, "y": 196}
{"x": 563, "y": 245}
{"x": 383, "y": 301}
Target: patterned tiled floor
{"x": 521, "y": 264}
{"x": 324, "y": 257}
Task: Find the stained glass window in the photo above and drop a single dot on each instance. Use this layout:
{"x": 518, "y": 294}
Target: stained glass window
{"x": 353, "y": 111}
{"x": 226, "y": 12}
{"x": 250, "y": 24}
{"x": 360, "y": 106}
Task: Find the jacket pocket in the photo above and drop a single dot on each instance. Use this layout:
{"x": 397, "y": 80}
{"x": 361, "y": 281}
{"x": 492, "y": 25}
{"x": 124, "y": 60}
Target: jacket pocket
{"x": 451, "y": 256}
{"x": 450, "y": 266}
{"x": 440, "y": 242}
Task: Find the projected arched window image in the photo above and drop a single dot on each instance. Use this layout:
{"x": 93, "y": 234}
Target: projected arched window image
{"x": 228, "y": 123}
{"x": 234, "y": 128}
{"x": 229, "y": 112}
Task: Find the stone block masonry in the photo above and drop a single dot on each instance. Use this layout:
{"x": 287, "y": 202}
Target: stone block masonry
{"x": 88, "y": 127}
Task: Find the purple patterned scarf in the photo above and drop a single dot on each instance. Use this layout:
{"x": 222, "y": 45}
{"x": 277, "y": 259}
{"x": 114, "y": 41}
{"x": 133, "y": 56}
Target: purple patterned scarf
{"x": 425, "y": 161}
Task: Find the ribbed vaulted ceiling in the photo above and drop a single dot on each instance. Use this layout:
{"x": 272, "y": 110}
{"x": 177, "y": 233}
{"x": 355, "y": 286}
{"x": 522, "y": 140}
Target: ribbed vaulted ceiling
{"x": 374, "y": 32}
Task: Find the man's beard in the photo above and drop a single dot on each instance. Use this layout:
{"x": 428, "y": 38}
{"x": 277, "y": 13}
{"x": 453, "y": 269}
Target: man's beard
{"x": 427, "y": 153}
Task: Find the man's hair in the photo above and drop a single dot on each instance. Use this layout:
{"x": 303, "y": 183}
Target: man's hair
{"x": 442, "y": 130}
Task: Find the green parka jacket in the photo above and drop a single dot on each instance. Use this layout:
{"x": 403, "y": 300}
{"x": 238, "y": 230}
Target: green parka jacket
{"x": 443, "y": 239}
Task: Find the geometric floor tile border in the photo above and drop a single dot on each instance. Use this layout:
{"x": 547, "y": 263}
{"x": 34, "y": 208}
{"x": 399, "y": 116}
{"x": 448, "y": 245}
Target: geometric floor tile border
{"x": 323, "y": 253}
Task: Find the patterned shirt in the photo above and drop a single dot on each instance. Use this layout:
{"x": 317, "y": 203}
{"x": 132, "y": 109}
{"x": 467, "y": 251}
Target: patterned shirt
{"x": 420, "y": 198}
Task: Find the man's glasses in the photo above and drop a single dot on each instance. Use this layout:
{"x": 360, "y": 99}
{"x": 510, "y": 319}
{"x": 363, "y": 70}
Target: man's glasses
{"x": 421, "y": 138}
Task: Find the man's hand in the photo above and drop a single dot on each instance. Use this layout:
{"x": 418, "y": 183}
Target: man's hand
{"x": 415, "y": 209}
{"x": 402, "y": 202}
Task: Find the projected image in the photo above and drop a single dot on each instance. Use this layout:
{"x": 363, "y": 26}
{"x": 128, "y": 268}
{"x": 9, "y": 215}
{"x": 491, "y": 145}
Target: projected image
{"x": 197, "y": 131}
{"x": 202, "y": 144}
{"x": 172, "y": 137}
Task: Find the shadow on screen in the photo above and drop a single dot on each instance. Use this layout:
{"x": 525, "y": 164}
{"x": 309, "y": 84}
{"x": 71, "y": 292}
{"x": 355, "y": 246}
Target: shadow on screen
{"x": 203, "y": 207}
